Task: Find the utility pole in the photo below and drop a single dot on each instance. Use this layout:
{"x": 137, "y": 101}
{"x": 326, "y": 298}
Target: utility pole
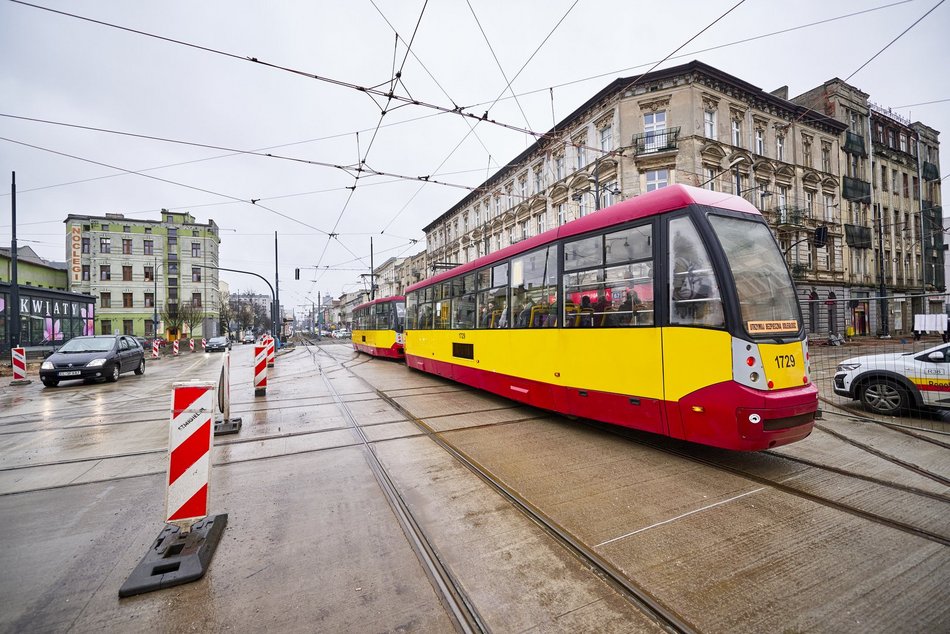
{"x": 278, "y": 326}
{"x": 372, "y": 273}
{"x": 14, "y": 282}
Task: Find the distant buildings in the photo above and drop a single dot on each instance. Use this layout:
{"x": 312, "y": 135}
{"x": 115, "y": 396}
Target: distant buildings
{"x": 850, "y": 189}
{"x": 147, "y": 276}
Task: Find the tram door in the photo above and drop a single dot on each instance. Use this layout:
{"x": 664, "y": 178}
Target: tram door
{"x": 697, "y": 350}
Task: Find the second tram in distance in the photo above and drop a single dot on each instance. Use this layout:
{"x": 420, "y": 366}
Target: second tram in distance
{"x": 378, "y": 327}
{"x": 673, "y": 312}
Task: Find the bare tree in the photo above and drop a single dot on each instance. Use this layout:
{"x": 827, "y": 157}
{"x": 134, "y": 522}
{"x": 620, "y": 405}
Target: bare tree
{"x": 191, "y": 315}
{"x": 171, "y": 316}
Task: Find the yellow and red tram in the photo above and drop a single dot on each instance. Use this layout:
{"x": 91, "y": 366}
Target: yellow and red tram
{"x": 378, "y": 327}
{"x": 673, "y": 312}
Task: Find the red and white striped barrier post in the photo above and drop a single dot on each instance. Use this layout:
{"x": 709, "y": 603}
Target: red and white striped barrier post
{"x": 191, "y": 345}
{"x": 270, "y": 351}
{"x": 189, "y": 453}
{"x": 175, "y": 347}
{"x": 155, "y": 349}
{"x": 260, "y": 370}
{"x": 184, "y": 548}
{"x": 19, "y": 367}
{"x": 204, "y": 343}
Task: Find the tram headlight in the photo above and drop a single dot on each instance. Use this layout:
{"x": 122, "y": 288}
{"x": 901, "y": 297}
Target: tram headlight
{"x": 753, "y": 376}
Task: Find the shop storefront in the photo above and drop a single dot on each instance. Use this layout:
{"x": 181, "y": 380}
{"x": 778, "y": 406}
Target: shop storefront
{"x": 48, "y": 318}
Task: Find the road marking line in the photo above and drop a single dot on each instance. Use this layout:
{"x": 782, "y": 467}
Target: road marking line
{"x": 678, "y": 517}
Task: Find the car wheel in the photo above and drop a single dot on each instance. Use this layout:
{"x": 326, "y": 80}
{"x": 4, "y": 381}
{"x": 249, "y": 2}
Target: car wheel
{"x": 112, "y": 378}
{"x": 884, "y": 397}
{"x": 141, "y": 369}
{"x": 50, "y": 382}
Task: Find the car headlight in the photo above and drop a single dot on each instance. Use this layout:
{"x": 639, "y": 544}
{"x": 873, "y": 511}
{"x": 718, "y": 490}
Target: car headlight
{"x": 96, "y": 363}
{"x": 47, "y": 365}
{"x": 847, "y": 367}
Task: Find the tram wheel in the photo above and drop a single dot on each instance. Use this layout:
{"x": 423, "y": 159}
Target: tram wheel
{"x": 884, "y": 397}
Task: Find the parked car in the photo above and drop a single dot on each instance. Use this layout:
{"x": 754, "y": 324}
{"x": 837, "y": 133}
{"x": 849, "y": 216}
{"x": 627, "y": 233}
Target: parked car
{"x": 218, "y": 344}
{"x": 343, "y": 333}
{"x": 892, "y": 383}
{"x": 96, "y": 357}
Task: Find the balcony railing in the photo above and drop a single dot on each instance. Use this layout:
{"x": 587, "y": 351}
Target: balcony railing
{"x": 856, "y": 190}
{"x": 658, "y": 141}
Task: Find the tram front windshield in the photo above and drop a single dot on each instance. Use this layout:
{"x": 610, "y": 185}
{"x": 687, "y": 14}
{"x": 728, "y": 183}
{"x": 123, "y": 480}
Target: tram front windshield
{"x": 767, "y": 301}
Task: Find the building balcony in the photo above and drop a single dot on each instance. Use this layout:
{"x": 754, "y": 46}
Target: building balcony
{"x": 854, "y": 144}
{"x": 856, "y": 190}
{"x": 655, "y": 142}
{"x": 930, "y": 171}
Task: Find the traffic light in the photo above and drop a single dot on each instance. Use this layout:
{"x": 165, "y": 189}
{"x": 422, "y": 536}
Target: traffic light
{"x": 821, "y": 236}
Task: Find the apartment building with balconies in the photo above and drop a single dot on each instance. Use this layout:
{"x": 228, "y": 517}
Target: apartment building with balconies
{"x": 144, "y": 272}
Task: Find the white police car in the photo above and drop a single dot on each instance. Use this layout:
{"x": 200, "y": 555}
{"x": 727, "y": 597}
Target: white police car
{"x": 891, "y": 383}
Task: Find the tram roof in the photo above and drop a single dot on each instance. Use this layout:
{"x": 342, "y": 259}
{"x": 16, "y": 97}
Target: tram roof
{"x": 381, "y": 300}
{"x": 653, "y": 203}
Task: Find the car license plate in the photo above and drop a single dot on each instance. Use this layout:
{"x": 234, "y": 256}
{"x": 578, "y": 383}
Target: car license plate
{"x": 70, "y": 373}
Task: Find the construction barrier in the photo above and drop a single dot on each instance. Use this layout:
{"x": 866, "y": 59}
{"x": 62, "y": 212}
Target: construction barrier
{"x": 204, "y": 343}
{"x": 184, "y": 548}
{"x": 19, "y": 367}
{"x": 189, "y": 453}
{"x": 155, "y": 349}
{"x": 260, "y": 370}
{"x": 223, "y": 423}
{"x": 175, "y": 347}
{"x": 191, "y": 345}
{"x": 270, "y": 351}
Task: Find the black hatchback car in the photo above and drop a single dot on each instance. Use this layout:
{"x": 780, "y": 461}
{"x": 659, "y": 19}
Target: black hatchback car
{"x": 102, "y": 356}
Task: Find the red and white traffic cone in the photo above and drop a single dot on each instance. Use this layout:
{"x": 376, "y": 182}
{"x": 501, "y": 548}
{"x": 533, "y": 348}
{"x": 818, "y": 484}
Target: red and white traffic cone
{"x": 175, "y": 347}
{"x": 204, "y": 343}
{"x": 191, "y": 345}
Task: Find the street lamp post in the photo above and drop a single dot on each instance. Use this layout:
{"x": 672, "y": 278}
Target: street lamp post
{"x": 155, "y": 298}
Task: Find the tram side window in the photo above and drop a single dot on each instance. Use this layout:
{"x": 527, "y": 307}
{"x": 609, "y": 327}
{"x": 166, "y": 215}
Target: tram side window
{"x": 399, "y": 313}
{"x": 463, "y": 306}
{"x": 694, "y": 292}
{"x": 412, "y": 306}
{"x": 534, "y": 289}
{"x": 493, "y": 297}
{"x": 382, "y": 318}
{"x": 598, "y": 296}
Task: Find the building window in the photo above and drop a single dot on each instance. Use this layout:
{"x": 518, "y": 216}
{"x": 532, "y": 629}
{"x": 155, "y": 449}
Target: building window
{"x": 172, "y": 232}
{"x": 559, "y": 167}
{"x": 884, "y": 177}
{"x": 127, "y": 273}
{"x": 523, "y": 188}
{"x": 825, "y": 157}
{"x": 85, "y": 245}
{"x": 105, "y": 327}
{"x": 890, "y": 139}
{"x": 829, "y": 208}
{"x": 737, "y": 133}
{"x": 782, "y": 197}
{"x": 148, "y": 247}
{"x": 709, "y": 182}
{"x": 105, "y": 272}
{"x": 906, "y": 186}
{"x": 149, "y": 328}
{"x": 148, "y": 230}
{"x": 126, "y": 246}
{"x": 173, "y": 268}
{"x": 541, "y": 223}
{"x": 149, "y": 300}
{"x": 806, "y": 153}
{"x": 780, "y": 148}
{"x": 85, "y": 272}
{"x": 654, "y": 128}
{"x": 657, "y": 179}
{"x": 105, "y": 301}
{"x": 172, "y": 293}
{"x": 126, "y": 300}
{"x": 709, "y": 124}
{"x": 538, "y": 181}
{"x": 105, "y": 245}
{"x": 561, "y": 214}
{"x": 173, "y": 282}
{"x": 194, "y": 233}
{"x": 810, "y": 204}
{"x": 149, "y": 273}
{"x": 760, "y": 142}
{"x": 127, "y": 327}
{"x": 196, "y": 249}
{"x": 172, "y": 242}
{"x": 196, "y": 274}
{"x": 196, "y": 300}
{"x": 126, "y": 229}
{"x": 104, "y": 228}
{"x": 606, "y": 138}
{"x": 894, "y": 178}
{"x": 581, "y": 155}
{"x": 903, "y": 142}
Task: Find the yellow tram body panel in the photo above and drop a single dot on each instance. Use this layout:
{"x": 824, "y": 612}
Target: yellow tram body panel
{"x": 378, "y": 342}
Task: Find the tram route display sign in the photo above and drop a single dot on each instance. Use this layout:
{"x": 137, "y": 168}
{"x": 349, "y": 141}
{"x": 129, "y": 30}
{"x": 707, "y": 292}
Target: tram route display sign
{"x": 783, "y": 325}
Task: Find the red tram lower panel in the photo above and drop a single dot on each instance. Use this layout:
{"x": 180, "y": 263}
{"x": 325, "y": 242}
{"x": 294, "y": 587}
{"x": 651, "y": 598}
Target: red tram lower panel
{"x": 720, "y": 415}
{"x": 396, "y": 351}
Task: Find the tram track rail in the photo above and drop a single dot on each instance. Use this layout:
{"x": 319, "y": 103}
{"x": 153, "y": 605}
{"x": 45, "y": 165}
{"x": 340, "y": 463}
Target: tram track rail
{"x": 663, "y": 615}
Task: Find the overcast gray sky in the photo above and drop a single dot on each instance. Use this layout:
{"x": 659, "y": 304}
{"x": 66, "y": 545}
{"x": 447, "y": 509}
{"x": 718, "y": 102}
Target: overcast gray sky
{"x": 557, "y": 53}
